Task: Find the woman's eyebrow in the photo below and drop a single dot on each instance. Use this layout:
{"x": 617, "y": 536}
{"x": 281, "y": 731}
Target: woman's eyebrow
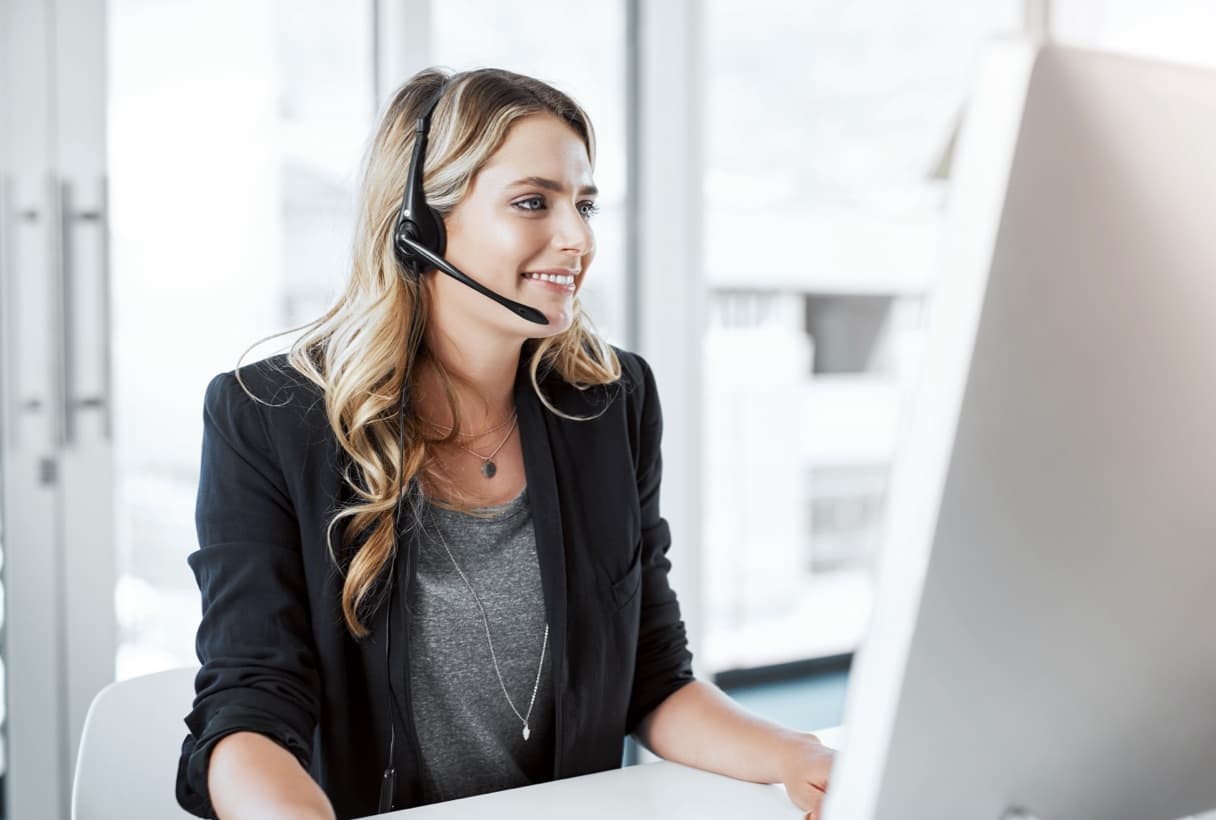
{"x": 553, "y": 185}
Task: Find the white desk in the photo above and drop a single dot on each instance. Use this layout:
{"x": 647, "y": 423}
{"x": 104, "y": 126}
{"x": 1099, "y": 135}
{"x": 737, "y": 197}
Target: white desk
{"x": 663, "y": 789}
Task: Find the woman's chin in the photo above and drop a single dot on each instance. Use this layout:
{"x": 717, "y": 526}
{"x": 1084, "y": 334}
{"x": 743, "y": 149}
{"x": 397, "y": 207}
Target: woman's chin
{"x": 559, "y": 318}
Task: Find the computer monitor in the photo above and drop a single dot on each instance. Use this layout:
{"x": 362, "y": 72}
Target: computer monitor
{"x": 1043, "y": 642}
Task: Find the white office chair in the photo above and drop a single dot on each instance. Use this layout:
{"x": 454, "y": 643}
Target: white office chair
{"x": 129, "y": 748}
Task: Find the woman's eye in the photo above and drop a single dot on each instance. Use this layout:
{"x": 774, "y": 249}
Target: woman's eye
{"x": 537, "y": 203}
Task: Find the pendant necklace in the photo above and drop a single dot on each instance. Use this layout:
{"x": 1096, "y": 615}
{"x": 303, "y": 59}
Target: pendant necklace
{"x": 488, "y": 467}
{"x": 524, "y": 718}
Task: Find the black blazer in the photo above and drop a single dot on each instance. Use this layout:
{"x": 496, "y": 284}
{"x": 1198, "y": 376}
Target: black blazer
{"x": 276, "y": 656}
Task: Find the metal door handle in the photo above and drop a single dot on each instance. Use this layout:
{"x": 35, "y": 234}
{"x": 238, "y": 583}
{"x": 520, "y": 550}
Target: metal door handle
{"x": 72, "y": 404}
{"x": 12, "y": 217}
{"x": 60, "y": 304}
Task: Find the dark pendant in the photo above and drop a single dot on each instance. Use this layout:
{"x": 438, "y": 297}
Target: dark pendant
{"x": 488, "y": 469}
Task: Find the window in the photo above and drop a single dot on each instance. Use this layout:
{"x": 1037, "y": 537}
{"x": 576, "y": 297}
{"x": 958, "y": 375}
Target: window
{"x": 827, "y": 124}
{"x": 586, "y": 61}
{"x": 235, "y": 139}
{"x": 1172, "y": 30}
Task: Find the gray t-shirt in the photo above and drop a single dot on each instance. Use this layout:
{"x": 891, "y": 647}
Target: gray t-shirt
{"x": 471, "y": 740}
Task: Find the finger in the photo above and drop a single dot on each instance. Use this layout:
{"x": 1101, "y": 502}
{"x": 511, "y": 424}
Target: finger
{"x": 814, "y": 787}
{"x": 805, "y": 797}
{"x": 818, "y": 775}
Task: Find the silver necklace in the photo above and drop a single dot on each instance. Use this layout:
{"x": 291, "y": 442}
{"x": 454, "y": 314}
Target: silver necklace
{"x": 486, "y": 622}
{"x": 488, "y": 467}
{"x": 468, "y": 436}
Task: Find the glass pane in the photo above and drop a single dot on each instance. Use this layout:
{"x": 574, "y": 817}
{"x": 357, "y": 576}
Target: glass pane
{"x": 1173, "y": 30}
{"x": 236, "y": 132}
{"x": 827, "y": 130}
{"x": 587, "y": 62}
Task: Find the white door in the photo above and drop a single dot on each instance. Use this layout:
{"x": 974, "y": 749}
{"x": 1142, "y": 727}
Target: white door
{"x": 57, "y": 508}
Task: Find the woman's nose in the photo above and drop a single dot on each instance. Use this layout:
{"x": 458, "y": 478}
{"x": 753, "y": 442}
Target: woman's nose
{"x": 573, "y": 232}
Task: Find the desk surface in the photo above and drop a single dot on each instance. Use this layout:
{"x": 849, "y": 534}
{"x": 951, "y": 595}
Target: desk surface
{"x": 662, "y": 789}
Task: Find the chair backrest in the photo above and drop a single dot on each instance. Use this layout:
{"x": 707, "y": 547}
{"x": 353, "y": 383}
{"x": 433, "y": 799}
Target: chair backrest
{"x": 132, "y": 738}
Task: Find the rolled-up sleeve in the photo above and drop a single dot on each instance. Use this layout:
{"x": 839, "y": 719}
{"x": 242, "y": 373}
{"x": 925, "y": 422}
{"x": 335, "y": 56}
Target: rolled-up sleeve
{"x": 664, "y": 663}
{"x": 254, "y": 642}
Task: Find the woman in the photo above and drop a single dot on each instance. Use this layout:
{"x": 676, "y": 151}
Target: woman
{"x": 479, "y": 429}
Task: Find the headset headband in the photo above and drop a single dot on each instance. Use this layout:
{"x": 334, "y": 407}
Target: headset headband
{"x": 416, "y": 220}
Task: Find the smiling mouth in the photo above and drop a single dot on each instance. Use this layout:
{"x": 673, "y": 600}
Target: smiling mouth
{"x": 565, "y": 280}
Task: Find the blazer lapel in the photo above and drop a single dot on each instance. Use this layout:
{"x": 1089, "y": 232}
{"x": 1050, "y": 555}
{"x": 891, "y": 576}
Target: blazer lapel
{"x": 547, "y": 524}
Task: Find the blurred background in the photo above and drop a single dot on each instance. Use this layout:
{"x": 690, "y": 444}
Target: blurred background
{"x": 178, "y": 182}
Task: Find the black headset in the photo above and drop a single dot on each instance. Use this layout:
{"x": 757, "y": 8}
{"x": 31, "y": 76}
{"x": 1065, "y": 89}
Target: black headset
{"x": 419, "y": 237}
{"x": 419, "y": 240}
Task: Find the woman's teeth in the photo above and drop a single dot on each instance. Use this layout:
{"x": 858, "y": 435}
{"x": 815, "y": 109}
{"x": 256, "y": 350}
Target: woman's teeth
{"x": 549, "y": 277}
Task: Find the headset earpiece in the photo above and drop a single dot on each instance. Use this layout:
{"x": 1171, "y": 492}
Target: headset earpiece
{"x": 416, "y": 220}
{"x": 433, "y": 236}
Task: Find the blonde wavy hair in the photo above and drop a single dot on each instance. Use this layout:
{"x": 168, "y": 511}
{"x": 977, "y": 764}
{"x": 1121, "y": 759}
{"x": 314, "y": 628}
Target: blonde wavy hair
{"x": 358, "y": 352}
